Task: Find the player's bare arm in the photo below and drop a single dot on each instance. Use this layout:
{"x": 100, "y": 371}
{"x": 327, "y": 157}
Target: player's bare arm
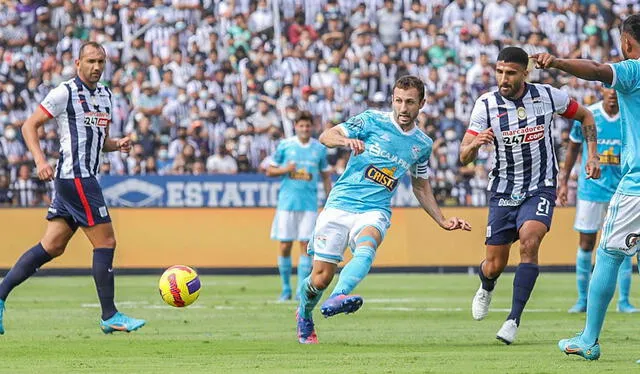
{"x": 326, "y": 182}
{"x": 471, "y": 143}
{"x": 334, "y": 137}
{"x": 424, "y": 194}
{"x": 30, "y": 134}
{"x": 569, "y": 161}
{"x": 585, "y": 69}
{"x": 277, "y": 171}
{"x": 589, "y": 132}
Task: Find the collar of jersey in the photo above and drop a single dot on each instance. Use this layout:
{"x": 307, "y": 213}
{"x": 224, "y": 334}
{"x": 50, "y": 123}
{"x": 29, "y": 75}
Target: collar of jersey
{"x": 300, "y": 143}
{"x": 78, "y": 80}
{"x": 393, "y": 120}
{"x": 606, "y": 115}
{"x": 524, "y": 93}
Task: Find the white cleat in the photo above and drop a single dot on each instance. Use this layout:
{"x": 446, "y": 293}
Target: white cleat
{"x": 480, "y": 304}
{"x": 508, "y": 331}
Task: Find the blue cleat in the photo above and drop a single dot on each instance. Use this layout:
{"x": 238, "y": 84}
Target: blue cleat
{"x": 626, "y": 307}
{"x": 285, "y": 296}
{"x": 120, "y": 322}
{"x": 1, "y": 315}
{"x": 575, "y": 346}
{"x": 579, "y": 307}
{"x": 346, "y": 304}
{"x": 306, "y": 330}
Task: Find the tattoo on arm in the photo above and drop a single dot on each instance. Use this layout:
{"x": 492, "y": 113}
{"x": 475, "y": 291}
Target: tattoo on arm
{"x": 589, "y": 132}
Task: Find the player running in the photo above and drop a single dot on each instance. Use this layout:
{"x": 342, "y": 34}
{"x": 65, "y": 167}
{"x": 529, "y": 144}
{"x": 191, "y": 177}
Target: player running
{"x": 517, "y": 119}
{"x": 385, "y": 146}
{"x": 82, "y": 110}
{"x": 594, "y": 196}
{"x": 621, "y": 228}
{"x": 299, "y": 160}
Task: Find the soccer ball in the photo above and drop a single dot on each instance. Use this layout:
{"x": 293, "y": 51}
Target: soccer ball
{"x": 179, "y": 286}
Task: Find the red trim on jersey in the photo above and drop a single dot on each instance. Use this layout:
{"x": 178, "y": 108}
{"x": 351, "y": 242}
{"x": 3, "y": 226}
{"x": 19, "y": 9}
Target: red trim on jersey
{"x": 572, "y": 109}
{"x": 46, "y": 111}
{"x": 474, "y": 133}
{"x": 85, "y": 203}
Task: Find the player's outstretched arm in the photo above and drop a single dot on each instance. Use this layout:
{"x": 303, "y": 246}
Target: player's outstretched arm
{"x": 277, "y": 171}
{"x": 30, "y": 134}
{"x": 585, "y": 69}
{"x": 335, "y": 137}
{"x": 424, "y": 194}
{"x": 589, "y": 132}
{"x": 471, "y": 143}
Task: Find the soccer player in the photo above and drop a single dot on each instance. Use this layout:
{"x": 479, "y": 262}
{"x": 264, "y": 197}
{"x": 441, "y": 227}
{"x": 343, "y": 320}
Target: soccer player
{"x": 384, "y": 147}
{"x": 621, "y": 227}
{"x": 82, "y": 110}
{"x": 517, "y": 119}
{"x": 594, "y": 196}
{"x": 299, "y": 160}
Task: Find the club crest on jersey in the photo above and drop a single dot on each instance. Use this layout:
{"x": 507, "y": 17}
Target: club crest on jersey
{"x": 521, "y": 112}
{"x": 415, "y": 152}
{"x": 383, "y": 177}
{"x": 523, "y": 135}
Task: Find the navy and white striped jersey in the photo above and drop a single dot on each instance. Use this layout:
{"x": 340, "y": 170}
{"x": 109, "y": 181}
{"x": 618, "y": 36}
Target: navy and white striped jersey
{"x": 82, "y": 116}
{"x": 525, "y": 158}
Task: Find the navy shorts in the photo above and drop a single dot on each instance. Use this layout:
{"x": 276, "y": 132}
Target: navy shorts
{"x": 79, "y": 202}
{"x": 507, "y": 214}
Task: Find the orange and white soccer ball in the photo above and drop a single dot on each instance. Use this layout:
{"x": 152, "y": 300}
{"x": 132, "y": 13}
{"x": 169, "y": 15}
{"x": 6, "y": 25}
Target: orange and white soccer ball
{"x": 179, "y": 286}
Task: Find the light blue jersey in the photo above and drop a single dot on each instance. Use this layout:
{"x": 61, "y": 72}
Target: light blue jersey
{"x": 370, "y": 179}
{"x": 299, "y": 190}
{"x": 609, "y": 143}
{"x": 626, "y": 82}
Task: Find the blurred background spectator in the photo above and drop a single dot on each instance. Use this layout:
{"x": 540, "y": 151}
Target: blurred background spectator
{"x": 211, "y": 86}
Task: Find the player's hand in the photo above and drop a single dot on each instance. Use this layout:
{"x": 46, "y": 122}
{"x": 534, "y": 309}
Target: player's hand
{"x": 356, "y": 145}
{"x": 124, "y": 144}
{"x": 291, "y": 167}
{"x": 562, "y": 194}
{"x": 543, "y": 60}
{"x": 593, "y": 168}
{"x": 45, "y": 171}
{"x": 455, "y": 223}
{"x": 484, "y": 137}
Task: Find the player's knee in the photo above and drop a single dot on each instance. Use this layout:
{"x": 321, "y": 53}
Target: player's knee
{"x": 108, "y": 242}
{"x": 587, "y": 243}
{"x": 322, "y": 279}
{"x": 54, "y": 248}
{"x": 529, "y": 249}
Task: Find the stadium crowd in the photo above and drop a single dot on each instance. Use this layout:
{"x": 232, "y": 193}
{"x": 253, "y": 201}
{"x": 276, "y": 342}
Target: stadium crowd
{"x": 211, "y": 86}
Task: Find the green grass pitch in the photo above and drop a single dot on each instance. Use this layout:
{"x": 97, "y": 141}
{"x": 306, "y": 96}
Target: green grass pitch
{"x": 408, "y": 324}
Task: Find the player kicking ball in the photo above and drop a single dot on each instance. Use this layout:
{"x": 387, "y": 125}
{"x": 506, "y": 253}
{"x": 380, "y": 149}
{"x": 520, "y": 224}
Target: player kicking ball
{"x": 517, "y": 119}
{"x": 594, "y": 196}
{"x": 621, "y": 228}
{"x": 384, "y": 147}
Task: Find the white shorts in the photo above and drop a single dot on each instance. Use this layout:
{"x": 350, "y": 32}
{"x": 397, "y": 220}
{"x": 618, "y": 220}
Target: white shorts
{"x": 289, "y": 226}
{"x": 336, "y": 229}
{"x": 589, "y": 216}
{"x": 621, "y": 228}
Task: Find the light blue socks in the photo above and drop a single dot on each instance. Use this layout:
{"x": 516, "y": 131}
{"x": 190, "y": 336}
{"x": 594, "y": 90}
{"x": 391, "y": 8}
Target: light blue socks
{"x": 355, "y": 271}
{"x": 304, "y": 269}
{"x": 601, "y": 289}
{"x": 583, "y": 274}
{"x": 309, "y": 298}
{"x": 284, "y": 267}
{"x": 624, "y": 280}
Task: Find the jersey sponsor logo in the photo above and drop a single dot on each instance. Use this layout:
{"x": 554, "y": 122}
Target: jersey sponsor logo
{"x": 96, "y": 119}
{"x": 383, "y": 177}
{"x": 524, "y": 135}
{"x": 509, "y": 202}
{"x": 609, "y": 141}
{"x": 376, "y": 150}
{"x": 609, "y": 157}
{"x": 301, "y": 175}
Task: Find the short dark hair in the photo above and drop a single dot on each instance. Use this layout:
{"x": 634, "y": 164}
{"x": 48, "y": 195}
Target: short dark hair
{"x": 631, "y": 26}
{"x": 90, "y": 44}
{"x": 410, "y": 81}
{"x": 304, "y": 115}
{"x": 514, "y": 54}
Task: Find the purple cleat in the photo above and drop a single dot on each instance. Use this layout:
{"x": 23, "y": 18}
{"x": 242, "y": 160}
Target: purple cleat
{"x": 341, "y": 304}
